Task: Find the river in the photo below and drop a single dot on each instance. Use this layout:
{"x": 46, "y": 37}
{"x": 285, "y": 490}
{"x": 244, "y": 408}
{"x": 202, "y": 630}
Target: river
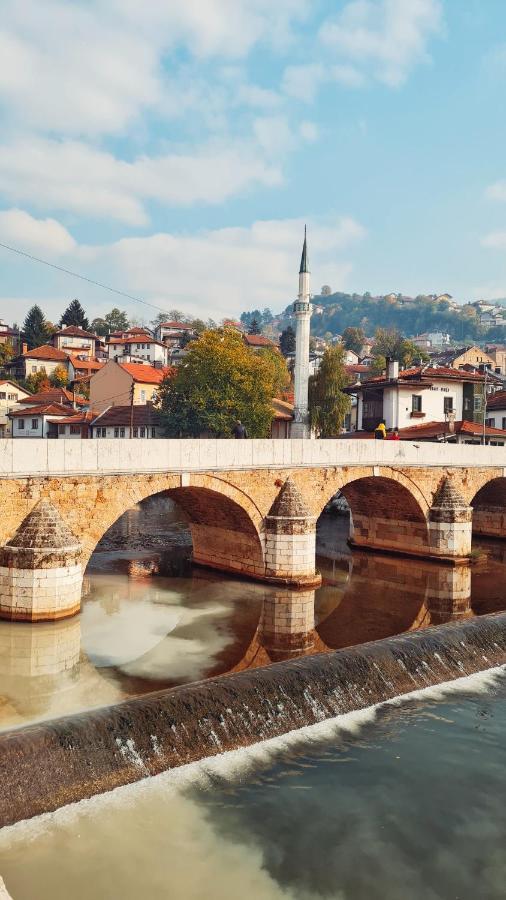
{"x": 139, "y": 632}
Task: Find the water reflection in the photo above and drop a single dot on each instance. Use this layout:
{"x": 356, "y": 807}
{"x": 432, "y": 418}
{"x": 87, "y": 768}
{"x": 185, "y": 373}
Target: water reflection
{"x": 139, "y": 634}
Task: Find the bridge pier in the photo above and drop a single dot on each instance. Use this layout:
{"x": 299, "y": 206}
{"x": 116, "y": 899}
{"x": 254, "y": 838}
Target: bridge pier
{"x": 450, "y": 523}
{"x": 449, "y": 593}
{"x": 290, "y": 540}
{"x": 287, "y": 623}
{"x": 40, "y": 569}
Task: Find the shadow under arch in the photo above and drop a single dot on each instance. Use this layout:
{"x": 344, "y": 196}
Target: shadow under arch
{"x": 224, "y": 535}
{"x": 489, "y": 509}
{"x": 386, "y": 515}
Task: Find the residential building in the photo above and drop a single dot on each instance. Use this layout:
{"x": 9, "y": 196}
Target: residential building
{"x": 75, "y": 426}
{"x": 11, "y": 336}
{"x": 77, "y": 342}
{"x": 496, "y": 410}
{"x": 281, "y": 425}
{"x": 118, "y": 384}
{"x": 10, "y": 396}
{"x": 258, "y": 342}
{"x": 457, "y": 357}
{"x": 137, "y": 349}
{"x": 170, "y": 333}
{"x": 498, "y": 355}
{"x": 403, "y": 398}
{"x": 137, "y": 332}
{"x": 462, "y": 432}
{"x": 431, "y": 339}
{"x": 45, "y": 358}
{"x": 84, "y": 368}
{"x": 116, "y": 421}
{"x": 62, "y": 396}
{"x": 37, "y": 421}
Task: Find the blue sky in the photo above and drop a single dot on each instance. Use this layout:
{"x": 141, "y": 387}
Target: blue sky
{"x": 174, "y": 150}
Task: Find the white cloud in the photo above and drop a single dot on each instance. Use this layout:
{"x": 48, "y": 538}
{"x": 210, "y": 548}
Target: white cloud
{"x": 497, "y": 191}
{"x": 90, "y": 69}
{"x": 308, "y": 131}
{"x": 385, "y": 38}
{"x": 496, "y": 240}
{"x": 71, "y": 176}
{"x": 302, "y": 82}
{"x": 25, "y": 232}
{"x": 209, "y": 273}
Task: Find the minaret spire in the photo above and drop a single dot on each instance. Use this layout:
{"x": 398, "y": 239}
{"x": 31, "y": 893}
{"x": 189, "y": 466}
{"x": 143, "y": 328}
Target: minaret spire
{"x": 302, "y": 311}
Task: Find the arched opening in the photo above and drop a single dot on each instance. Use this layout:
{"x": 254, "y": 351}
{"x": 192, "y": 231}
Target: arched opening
{"x": 489, "y": 509}
{"x": 376, "y": 513}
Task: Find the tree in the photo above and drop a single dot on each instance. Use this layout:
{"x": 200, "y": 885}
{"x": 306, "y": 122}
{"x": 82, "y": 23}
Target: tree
{"x": 37, "y": 381}
{"x": 326, "y": 290}
{"x": 327, "y": 403}
{"x": 254, "y": 327}
{"x": 280, "y": 373}
{"x": 220, "y": 381}
{"x": 6, "y": 353}
{"x": 74, "y": 315}
{"x": 59, "y": 377}
{"x": 34, "y": 328}
{"x": 267, "y": 316}
{"x": 390, "y": 343}
{"x": 99, "y": 326}
{"x": 353, "y": 339}
{"x": 287, "y": 341}
{"x": 117, "y": 320}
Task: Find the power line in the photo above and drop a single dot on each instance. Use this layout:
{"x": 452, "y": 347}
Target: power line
{"x": 106, "y": 287}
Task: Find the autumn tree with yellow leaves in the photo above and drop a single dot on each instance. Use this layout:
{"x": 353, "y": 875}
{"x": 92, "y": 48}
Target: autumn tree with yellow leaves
{"x": 221, "y": 380}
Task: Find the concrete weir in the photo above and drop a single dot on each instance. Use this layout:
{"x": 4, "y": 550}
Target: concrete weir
{"x": 44, "y": 767}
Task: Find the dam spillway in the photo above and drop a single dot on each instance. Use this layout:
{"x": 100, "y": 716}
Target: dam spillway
{"x": 45, "y": 766}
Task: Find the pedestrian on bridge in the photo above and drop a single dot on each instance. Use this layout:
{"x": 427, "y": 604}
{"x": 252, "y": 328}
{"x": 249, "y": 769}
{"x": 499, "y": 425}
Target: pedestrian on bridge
{"x": 239, "y": 430}
{"x": 380, "y": 432}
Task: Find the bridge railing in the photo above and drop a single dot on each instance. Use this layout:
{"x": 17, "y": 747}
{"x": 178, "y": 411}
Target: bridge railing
{"x": 38, "y": 457}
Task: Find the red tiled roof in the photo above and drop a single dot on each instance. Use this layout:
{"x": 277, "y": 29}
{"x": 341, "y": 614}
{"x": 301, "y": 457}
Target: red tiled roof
{"x": 257, "y": 340}
{"x": 147, "y": 374}
{"x": 430, "y": 430}
{"x": 80, "y": 418}
{"x": 429, "y": 373}
{"x": 497, "y": 400}
{"x": 92, "y": 365}
{"x": 74, "y": 331}
{"x": 141, "y": 339}
{"x": 46, "y": 351}
{"x": 282, "y": 409}
{"x": 181, "y": 326}
{"x": 42, "y": 409}
{"x": 54, "y": 395}
{"x": 143, "y": 414}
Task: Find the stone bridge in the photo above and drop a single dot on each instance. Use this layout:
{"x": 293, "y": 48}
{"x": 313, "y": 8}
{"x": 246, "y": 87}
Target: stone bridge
{"x": 252, "y": 506}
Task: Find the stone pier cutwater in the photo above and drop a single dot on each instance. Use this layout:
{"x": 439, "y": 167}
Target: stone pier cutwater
{"x": 450, "y": 523}
{"x": 40, "y": 569}
{"x": 290, "y": 540}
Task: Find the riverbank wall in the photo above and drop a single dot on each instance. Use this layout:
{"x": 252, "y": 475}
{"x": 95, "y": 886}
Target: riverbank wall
{"x": 48, "y": 765}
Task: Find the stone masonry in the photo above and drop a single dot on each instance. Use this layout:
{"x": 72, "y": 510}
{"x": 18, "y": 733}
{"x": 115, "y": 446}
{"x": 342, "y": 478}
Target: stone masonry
{"x": 251, "y": 506}
{"x": 40, "y": 569}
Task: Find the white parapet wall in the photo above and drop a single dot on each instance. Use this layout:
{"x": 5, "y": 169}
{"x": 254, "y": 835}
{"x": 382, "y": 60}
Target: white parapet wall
{"x": 70, "y": 457}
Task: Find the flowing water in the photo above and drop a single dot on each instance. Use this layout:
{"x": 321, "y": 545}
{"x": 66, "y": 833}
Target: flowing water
{"x": 405, "y": 801}
{"x": 140, "y": 632}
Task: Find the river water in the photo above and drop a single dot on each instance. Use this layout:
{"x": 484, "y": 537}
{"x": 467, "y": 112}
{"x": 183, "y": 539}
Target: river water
{"x": 138, "y": 633}
{"x": 406, "y": 801}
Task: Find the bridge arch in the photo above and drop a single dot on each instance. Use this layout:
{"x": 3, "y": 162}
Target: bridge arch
{"x": 223, "y": 521}
{"x": 388, "y": 512}
{"x": 489, "y": 509}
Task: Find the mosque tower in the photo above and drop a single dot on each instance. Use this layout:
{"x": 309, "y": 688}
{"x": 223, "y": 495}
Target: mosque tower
{"x": 302, "y": 310}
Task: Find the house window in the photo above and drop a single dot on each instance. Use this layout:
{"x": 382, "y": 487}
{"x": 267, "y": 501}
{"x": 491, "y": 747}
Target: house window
{"x": 477, "y": 403}
{"x": 143, "y": 431}
{"x": 490, "y": 423}
{"x": 504, "y": 423}
{"x": 136, "y": 432}
{"x": 3, "y": 396}
{"x": 122, "y": 432}
{"x": 21, "y": 424}
{"x": 143, "y": 396}
{"x": 34, "y": 368}
{"x": 35, "y": 424}
{"x": 74, "y": 429}
{"x": 416, "y": 403}
{"x": 101, "y": 432}
{"x": 448, "y": 404}
{"x": 116, "y": 432}
{"x": 153, "y": 432}
{"x": 61, "y": 429}
{"x": 148, "y": 356}
{"x": 11, "y": 397}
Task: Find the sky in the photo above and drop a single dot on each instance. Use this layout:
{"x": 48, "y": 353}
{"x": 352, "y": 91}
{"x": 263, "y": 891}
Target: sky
{"x": 175, "y": 150}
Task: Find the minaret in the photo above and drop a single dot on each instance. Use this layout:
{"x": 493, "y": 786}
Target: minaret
{"x": 302, "y": 310}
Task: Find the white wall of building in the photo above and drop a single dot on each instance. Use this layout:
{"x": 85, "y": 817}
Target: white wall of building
{"x": 148, "y": 351}
{"x": 398, "y": 403}
{"x": 30, "y": 426}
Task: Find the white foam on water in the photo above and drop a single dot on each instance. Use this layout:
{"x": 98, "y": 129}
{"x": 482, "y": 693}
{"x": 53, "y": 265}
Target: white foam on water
{"x": 234, "y": 765}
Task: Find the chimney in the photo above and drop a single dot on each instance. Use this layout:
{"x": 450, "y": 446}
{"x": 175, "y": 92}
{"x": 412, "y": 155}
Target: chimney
{"x": 392, "y": 368}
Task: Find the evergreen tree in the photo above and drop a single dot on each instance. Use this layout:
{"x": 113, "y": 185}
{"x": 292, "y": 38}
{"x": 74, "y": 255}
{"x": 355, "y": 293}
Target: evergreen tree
{"x": 34, "y": 328}
{"x": 74, "y": 315}
{"x": 327, "y": 403}
{"x": 254, "y": 327}
{"x": 287, "y": 341}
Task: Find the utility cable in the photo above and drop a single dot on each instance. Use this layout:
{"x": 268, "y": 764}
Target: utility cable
{"x": 99, "y": 284}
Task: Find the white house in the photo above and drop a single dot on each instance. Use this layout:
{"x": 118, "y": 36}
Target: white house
{"x": 419, "y": 395}
{"x": 75, "y": 341}
{"x": 37, "y": 421}
{"x": 10, "y": 396}
{"x": 170, "y": 333}
{"x": 137, "y": 349}
{"x": 496, "y": 410}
